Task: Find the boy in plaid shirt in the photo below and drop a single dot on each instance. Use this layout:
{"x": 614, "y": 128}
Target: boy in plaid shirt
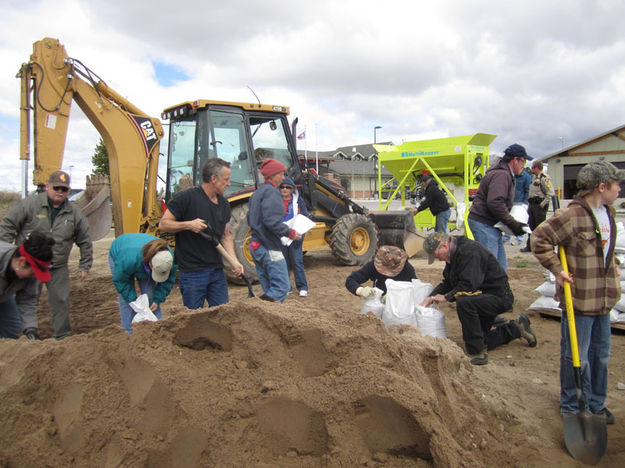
{"x": 587, "y": 230}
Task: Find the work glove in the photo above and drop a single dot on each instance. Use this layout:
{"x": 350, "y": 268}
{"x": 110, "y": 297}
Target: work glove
{"x": 517, "y": 228}
{"x": 364, "y": 291}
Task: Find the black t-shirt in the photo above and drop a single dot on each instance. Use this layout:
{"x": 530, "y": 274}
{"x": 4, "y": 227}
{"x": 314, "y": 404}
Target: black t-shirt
{"x": 193, "y": 252}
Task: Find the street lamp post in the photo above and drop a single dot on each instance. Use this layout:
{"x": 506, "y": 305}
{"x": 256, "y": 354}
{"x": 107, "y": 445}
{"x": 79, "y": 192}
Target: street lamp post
{"x": 70, "y": 172}
{"x": 375, "y": 167}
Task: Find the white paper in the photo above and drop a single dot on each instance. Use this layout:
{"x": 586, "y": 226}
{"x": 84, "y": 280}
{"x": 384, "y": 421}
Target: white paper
{"x": 300, "y": 223}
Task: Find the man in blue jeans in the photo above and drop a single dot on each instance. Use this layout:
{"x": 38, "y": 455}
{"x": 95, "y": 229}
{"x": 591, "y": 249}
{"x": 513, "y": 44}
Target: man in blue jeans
{"x": 265, "y": 221}
{"x": 493, "y": 201}
{"x": 190, "y": 213}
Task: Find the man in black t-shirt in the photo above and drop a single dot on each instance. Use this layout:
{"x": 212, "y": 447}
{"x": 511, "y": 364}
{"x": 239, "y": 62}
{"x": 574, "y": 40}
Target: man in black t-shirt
{"x": 190, "y": 213}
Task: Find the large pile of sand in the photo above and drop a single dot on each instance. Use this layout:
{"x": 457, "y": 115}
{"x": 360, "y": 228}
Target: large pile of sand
{"x": 248, "y": 383}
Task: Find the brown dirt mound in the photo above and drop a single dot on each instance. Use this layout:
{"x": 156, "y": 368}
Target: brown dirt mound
{"x": 248, "y": 383}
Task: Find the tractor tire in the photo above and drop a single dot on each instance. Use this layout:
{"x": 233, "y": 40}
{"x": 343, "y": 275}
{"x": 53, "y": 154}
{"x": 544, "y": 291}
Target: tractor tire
{"x": 241, "y": 235}
{"x": 354, "y": 239}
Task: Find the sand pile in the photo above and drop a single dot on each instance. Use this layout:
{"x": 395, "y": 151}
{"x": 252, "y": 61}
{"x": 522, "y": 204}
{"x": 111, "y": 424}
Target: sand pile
{"x": 248, "y": 383}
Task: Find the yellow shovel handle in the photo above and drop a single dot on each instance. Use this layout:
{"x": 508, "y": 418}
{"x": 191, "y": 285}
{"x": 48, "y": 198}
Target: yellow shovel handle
{"x": 570, "y": 314}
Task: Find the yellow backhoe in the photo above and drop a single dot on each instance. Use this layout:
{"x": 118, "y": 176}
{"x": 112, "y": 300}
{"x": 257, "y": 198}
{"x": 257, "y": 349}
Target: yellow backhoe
{"x": 242, "y": 134}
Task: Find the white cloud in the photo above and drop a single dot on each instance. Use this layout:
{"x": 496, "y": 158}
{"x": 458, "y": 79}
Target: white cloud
{"x": 529, "y": 72}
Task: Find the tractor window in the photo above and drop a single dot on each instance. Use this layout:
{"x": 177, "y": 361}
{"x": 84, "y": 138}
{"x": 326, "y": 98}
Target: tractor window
{"x": 181, "y": 152}
{"x": 270, "y": 140}
{"x": 228, "y": 141}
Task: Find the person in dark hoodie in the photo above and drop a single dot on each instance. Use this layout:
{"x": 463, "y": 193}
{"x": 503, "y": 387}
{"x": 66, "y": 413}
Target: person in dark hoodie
{"x": 21, "y": 269}
{"x": 265, "y": 220}
{"x": 437, "y": 202}
{"x": 294, "y": 205}
{"x": 493, "y": 201}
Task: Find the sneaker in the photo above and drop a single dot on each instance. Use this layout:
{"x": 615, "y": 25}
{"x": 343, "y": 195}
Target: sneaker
{"x": 267, "y": 298}
{"x": 523, "y": 322}
{"x": 31, "y": 334}
{"x": 303, "y": 293}
{"x": 499, "y": 321}
{"x": 479, "y": 359}
{"x": 609, "y": 417}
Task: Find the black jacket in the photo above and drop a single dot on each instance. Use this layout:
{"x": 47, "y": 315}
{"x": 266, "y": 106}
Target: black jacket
{"x": 473, "y": 268}
{"x": 435, "y": 199}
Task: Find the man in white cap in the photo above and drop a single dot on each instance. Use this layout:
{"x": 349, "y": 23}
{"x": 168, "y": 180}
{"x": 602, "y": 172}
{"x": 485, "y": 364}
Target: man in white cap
{"x": 50, "y": 211}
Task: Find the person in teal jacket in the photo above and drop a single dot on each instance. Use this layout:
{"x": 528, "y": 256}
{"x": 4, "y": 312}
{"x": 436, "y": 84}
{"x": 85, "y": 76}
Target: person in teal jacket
{"x": 149, "y": 261}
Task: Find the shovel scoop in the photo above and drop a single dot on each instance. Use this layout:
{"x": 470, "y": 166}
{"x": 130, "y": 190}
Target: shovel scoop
{"x": 585, "y": 433}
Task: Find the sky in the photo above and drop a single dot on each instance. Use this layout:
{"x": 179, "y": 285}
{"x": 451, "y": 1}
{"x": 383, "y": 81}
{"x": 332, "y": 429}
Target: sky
{"x": 544, "y": 74}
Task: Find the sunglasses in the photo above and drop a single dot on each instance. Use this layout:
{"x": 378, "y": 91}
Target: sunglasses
{"x": 60, "y": 189}
{"x": 282, "y": 187}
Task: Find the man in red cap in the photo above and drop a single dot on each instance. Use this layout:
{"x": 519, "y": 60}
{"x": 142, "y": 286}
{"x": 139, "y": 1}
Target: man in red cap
{"x": 50, "y": 211}
{"x": 265, "y": 220}
{"x": 21, "y": 269}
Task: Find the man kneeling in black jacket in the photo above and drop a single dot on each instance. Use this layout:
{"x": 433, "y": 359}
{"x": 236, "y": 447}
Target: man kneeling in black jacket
{"x": 475, "y": 280}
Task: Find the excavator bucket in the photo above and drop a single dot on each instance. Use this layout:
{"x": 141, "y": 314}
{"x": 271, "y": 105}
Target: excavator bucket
{"x": 95, "y": 203}
{"x": 398, "y": 228}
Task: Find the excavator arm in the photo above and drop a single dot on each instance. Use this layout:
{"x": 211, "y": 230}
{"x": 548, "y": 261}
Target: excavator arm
{"x": 50, "y": 82}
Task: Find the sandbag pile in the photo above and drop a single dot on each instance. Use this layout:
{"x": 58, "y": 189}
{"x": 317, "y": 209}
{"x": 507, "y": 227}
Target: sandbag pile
{"x": 617, "y": 314}
{"x": 401, "y": 306}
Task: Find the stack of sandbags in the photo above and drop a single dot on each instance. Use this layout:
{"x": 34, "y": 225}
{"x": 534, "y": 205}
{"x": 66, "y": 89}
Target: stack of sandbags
{"x": 402, "y": 307}
{"x": 617, "y": 314}
{"x": 547, "y": 292}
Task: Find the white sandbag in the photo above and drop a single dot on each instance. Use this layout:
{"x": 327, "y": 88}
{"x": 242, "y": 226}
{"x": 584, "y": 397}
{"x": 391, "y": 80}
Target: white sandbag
{"x": 519, "y": 213}
{"x": 141, "y": 307}
{"x": 373, "y": 304}
{"x": 620, "y": 305}
{"x": 616, "y": 316}
{"x": 546, "y": 303}
{"x": 549, "y": 276}
{"x": 420, "y": 291}
{"x": 431, "y": 321}
{"x": 547, "y": 289}
{"x": 399, "y": 307}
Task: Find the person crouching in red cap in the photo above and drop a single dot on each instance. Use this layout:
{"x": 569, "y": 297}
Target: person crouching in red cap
{"x": 265, "y": 220}
{"x": 21, "y": 269}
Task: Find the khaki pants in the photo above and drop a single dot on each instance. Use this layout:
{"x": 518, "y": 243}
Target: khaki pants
{"x": 58, "y": 298}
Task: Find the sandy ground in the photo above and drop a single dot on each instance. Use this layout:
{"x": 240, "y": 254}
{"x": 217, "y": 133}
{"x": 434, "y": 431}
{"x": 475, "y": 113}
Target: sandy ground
{"x": 311, "y": 382}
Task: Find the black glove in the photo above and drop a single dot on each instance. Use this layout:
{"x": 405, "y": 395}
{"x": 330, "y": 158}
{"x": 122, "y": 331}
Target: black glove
{"x": 517, "y": 228}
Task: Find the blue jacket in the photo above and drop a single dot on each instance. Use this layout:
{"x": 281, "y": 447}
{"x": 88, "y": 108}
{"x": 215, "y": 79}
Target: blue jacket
{"x": 522, "y": 187}
{"x": 126, "y": 255}
{"x": 265, "y": 217}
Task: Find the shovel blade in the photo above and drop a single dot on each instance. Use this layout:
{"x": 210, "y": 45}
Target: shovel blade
{"x": 585, "y": 436}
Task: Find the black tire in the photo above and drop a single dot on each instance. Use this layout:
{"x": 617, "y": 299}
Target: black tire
{"x": 241, "y": 235}
{"x": 354, "y": 239}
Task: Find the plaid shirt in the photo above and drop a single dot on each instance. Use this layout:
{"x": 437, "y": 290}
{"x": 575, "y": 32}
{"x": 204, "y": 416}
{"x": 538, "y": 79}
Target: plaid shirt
{"x": 596, "y": 286}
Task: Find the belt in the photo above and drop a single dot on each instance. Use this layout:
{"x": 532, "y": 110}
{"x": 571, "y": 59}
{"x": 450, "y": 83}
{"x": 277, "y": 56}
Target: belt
{"x": 536, "y": 200}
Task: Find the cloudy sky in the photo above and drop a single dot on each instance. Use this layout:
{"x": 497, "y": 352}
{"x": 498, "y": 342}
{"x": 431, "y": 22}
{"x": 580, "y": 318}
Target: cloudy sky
{"x": 539, "y": 73}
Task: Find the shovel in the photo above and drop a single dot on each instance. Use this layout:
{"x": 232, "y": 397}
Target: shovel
{"x": 227, "y": 258}
{"x": 585, "y": 434}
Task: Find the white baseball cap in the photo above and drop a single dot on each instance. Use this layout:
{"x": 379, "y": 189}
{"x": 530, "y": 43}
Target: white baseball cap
{"x": 161, "y": 265}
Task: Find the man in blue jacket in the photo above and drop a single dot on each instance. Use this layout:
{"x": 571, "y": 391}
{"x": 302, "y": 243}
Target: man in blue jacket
{"x": 265, "y": 220}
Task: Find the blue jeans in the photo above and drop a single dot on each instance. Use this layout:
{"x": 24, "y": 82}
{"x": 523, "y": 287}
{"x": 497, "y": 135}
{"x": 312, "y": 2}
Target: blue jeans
{"x": 295, "y": 260}
{"x": 126, "y": 313}
{"x": 593, "y": 340}
{"x": 208, "y": 285}
{"x": 273, "y": 273}
{"x": 490, "y": 238}
{"x": 10, "y": 320}
{"x": 441, "y": 221}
